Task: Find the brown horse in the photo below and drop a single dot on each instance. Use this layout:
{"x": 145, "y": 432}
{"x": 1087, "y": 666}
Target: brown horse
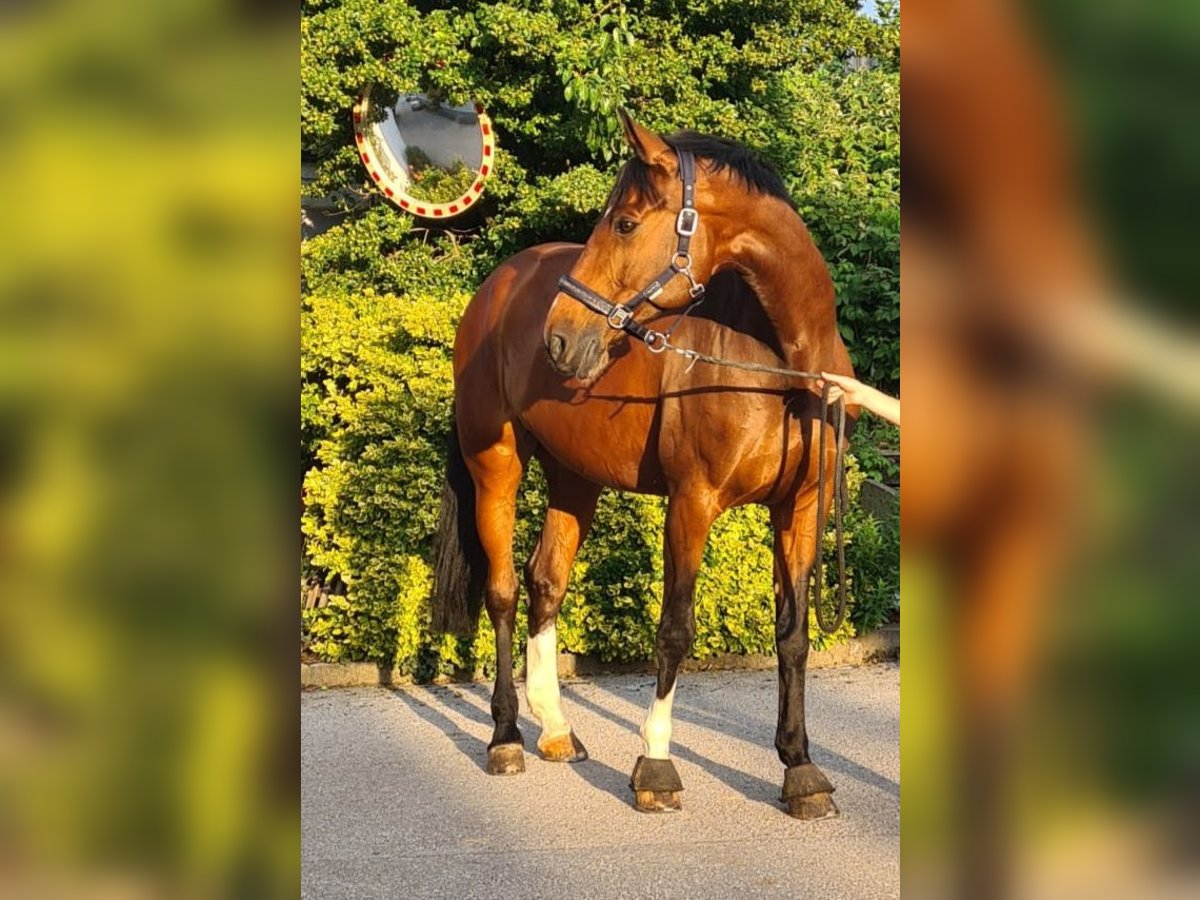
{"x": 541, "y": 372}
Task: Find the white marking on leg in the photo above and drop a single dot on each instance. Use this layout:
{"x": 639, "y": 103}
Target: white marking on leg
{"x": 541, "y": 682}
{"x": 656, "y": 730}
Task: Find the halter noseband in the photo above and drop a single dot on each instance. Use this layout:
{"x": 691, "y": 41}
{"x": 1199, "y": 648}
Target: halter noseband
{"x": 620, "y": 315}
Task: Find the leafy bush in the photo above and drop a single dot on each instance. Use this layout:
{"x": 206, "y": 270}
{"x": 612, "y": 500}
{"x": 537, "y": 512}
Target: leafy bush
{"x": 435, "y": 183}
{"x": 872, "y": 555}
{"x": 381, "y": 291}
{"x": 871, "y": 437}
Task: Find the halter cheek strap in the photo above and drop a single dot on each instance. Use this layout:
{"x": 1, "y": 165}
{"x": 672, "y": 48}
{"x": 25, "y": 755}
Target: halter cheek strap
{"x": 620, "y": 315}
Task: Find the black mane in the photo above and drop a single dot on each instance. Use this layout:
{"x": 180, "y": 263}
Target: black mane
{"x": 755, "y": 174}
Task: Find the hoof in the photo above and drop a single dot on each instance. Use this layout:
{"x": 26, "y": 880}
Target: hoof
{"x": 808, "y": 793}
{"x": 656, "y": 801}
{"x": 656, "y": 785}
{"x": 564, "y": 748}
{"x": 506, "y": 759}
{"x": 812, "y": 808}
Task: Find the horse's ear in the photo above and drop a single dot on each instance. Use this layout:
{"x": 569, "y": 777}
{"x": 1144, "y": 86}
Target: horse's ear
{"x": 650, "y": 148}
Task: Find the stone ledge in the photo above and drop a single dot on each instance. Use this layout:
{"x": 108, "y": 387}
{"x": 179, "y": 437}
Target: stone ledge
{"x": 877, "y": 645}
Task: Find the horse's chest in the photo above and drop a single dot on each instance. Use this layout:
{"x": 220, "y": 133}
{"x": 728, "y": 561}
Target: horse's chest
{"x": 607, "y": 440}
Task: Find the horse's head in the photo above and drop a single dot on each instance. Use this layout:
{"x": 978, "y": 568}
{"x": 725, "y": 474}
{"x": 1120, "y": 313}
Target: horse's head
{"x": 642, "y": 247}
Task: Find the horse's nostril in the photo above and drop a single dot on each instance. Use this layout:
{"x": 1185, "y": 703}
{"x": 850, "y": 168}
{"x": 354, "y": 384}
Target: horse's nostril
{"x": 557, "y": 346}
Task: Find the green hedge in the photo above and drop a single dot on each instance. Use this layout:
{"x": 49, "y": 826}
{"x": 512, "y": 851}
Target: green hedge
{"x": 381, "y": 291}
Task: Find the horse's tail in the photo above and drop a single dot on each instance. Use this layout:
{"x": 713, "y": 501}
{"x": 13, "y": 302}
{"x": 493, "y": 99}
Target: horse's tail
{"x": 460, "y": 566}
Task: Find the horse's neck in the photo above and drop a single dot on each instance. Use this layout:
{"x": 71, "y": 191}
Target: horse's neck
{"x": 777, "y": 257}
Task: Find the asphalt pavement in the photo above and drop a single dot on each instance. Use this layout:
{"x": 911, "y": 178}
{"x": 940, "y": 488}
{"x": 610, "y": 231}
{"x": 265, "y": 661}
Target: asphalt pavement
{"x": 396, "y": 802}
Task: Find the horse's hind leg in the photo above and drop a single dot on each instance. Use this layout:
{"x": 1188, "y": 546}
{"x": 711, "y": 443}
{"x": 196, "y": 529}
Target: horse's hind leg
{"x": 806, "y": 790}
{"x": 496, "y": 470}
{"x": 572, "y": 504}
{"x": 690, "y": 514}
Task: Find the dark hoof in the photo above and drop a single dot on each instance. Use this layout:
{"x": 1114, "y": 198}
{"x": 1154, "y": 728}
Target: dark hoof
{"x": 506, "y": 759}
{"x": 807, "y": 793}
{"x": 656, "y": 785}
{"x": 564, "y": 748}
{"x": 812, "y": 808}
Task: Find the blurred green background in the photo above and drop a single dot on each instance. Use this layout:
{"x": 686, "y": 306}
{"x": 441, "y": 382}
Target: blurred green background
{"x": 1107, "y": 790}
{"x": 147, "y": 435}
{"x": 1121, "y": 711}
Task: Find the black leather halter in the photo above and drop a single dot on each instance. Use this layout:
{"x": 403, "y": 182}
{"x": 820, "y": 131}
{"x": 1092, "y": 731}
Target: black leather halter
{"x": 620, "y": 315}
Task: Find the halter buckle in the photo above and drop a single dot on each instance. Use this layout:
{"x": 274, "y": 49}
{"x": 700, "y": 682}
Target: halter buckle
{"x": 696, "y": 291}
{"x": 686, "y": 222}
{"x": 619, "y": 318}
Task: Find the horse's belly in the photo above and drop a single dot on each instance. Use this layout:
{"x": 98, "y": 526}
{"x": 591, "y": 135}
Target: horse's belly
{"x": 745, "y": 439}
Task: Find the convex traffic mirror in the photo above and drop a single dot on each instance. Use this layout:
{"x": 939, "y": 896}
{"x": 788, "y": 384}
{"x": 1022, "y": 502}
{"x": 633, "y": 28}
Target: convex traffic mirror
{"x": 429, "y": 157}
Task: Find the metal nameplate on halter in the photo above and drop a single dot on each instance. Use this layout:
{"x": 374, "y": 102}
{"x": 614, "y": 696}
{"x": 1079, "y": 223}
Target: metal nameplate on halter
{"x": 686, "y": 222}
{"x": 619, "y": 317}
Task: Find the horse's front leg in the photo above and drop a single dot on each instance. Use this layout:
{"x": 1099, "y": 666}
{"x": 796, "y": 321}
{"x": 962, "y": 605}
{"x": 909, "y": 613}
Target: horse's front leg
{"x": 690, "y": 514}
{"x": 572, "y": 503}
{"x": 806, "y": 790}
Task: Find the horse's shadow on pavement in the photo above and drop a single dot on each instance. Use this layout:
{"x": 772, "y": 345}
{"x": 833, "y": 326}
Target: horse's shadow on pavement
{"x": 422, "y": 706}
{"x": 827, "y": 758}
{"x": 600, "y": 776}
{"x": 749, "y": 786}
{"x": 607, "y": 779}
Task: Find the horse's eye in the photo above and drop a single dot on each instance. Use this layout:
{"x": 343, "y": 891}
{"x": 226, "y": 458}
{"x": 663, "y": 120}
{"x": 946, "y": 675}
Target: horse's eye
{"x": 626, "y": 226}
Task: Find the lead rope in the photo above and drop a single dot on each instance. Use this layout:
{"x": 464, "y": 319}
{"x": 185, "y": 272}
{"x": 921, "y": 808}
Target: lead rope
{"x": 839, "y": 505}
{"x": 816, "y": 573}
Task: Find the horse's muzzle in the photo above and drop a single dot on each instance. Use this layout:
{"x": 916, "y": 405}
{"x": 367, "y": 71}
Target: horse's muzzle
{"x": 581, "y": 357}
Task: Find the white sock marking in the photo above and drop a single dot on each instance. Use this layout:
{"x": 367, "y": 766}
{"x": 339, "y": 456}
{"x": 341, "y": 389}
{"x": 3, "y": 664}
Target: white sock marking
{"x": 541, "y": 682}
{"x": 656, "y": 730}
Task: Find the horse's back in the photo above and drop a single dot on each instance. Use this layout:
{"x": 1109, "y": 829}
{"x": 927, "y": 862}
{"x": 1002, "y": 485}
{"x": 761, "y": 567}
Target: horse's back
{"x": 528, "y": 274}
{"x": 535, "y": 266}
{"x": 500, "y": 333}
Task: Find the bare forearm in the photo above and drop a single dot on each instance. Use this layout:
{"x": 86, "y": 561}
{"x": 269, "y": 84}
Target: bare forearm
{"x": 884, "y": 406}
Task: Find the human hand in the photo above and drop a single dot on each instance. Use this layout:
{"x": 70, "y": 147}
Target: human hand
{"x": 856, "y": 393}
{"x": 842, "y": 386}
